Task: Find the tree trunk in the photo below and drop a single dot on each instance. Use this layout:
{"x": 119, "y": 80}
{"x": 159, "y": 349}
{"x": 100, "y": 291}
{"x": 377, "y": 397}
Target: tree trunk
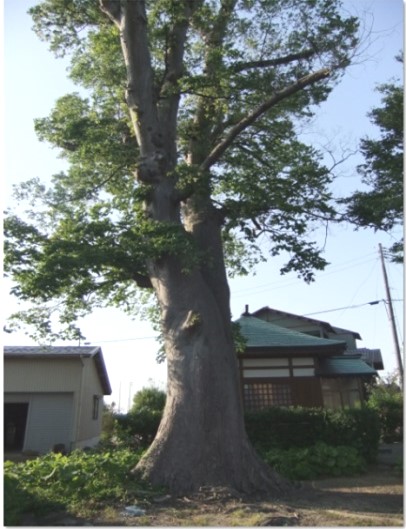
{"x": 201, "y": 440}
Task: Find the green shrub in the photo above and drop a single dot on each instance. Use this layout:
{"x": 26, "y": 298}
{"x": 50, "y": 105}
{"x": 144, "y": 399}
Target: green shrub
{"x": 137, "y": 429}
{"x": 356, "y": 427}
{"x": 285, "y": 427}
{"x": 297, "y": 427}
{"x": 386, "y": 399}
{"x": 315, "y": 461}
{"x": 81, "y": 480}
{"x": 150, "y": 399}
{"x": 18, "y": 500}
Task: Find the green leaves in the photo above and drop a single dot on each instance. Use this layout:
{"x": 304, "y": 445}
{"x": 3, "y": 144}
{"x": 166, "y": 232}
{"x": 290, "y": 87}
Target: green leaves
{"x": 82, "y": 481}
{"x": 381, "y": 206}
{"x": 94, "y": 134}
{"x": 317, "y": 461}
{"x": 61, "y": 22}
{"x": 88, "y": 241}
{"x": 280, "y": 192}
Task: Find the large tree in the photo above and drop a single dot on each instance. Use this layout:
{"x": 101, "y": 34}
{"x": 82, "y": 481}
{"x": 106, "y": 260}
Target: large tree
{"x": 184, "y": 158}
{"x": 380, "y": 206}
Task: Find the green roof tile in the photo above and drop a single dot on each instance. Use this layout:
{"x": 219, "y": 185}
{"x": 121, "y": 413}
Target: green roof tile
{"x": 345, "y": 365}
{"x": 259, "y": 333}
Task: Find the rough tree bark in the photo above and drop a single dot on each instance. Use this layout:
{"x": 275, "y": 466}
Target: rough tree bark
{"x": 201, "y": 440}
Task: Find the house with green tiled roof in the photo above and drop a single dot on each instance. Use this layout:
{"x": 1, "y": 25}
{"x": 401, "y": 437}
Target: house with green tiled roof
{"x": 281, "y": 366}
{"x": 322, "y": 329}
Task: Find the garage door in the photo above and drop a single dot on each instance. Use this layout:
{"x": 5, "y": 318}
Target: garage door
{"x": 50, "y": 421}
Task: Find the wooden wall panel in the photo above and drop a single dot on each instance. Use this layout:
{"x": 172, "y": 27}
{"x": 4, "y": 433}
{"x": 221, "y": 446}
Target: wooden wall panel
{"x": 306, "y": 392}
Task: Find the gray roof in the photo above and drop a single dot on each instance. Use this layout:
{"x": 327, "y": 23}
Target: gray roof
{"x": 260, "y": 334}
{"x": 65, "y": 351}
{"x": 50, "y": 350}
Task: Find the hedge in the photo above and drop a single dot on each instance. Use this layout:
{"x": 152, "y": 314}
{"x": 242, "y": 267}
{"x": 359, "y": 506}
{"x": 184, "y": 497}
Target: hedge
{"x": 297, "y": 427}
{"x": 319, "y": 460}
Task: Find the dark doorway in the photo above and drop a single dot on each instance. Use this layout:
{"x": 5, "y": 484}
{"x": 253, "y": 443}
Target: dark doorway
{"x": 15, "y": 420}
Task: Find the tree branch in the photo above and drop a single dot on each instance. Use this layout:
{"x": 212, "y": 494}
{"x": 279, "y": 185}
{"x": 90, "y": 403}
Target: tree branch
{"x": 174, "y": 69}
{"x": 131, "y": 19}
{"x": 141, "y": 280}
{"x": 213, "y": 40}
{"x": 243, "y": 124}
{"x": 241, "y": 66}
{"x": 112, "y": 8}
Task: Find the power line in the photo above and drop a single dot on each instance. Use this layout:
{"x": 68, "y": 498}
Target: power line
{"x": 123, "y": 340}
{"x": 280, "y": 283}
{"x": 376, "y": 302}
{"x": 351, "y": 306}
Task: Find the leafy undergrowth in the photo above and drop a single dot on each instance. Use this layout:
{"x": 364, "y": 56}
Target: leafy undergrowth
{"x": 81, "y": 482}
{"x": 316, "y": 461}
{"x": 85, "y": 484}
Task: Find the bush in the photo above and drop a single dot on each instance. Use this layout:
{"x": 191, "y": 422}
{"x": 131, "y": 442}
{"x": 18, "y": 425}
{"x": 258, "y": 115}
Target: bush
{"x": 386, "y": 399}
{"x": 149, "y": 399}
{"x": 297, "y": 427}
{"x": 81, "y": 480}
{"x": 18, "y": 500}
{"x": 284, "y": 427}
{"x": 108, "y": 422}
{"x": 315, "y": 461}
{"x": 356, "y": 427}
{"x": 137, "y": 429}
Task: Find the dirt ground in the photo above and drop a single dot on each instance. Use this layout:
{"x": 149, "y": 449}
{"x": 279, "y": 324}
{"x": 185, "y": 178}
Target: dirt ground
{"x": 373, "y": 499}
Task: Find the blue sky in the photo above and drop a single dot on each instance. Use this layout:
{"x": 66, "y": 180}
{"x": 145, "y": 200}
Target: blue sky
{"x": 34, "y": 79}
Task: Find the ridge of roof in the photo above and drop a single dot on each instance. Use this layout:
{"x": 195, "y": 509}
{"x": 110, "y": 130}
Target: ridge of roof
{"x": 297, "y": 316}
{"x": 339, "y": 330}
{"x": 325, "y": 324}
{"x": 260, "y": 333}
{"x": 50, "y": 350}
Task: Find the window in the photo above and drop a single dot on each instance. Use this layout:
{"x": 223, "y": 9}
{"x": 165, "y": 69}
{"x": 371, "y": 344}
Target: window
{"x": 340, "y": 392}
{"x": 261, "y": 395}
{"x": 96, "y": 405}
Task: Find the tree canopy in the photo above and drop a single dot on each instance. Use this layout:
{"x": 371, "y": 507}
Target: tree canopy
{"x": 149, "y": 399}
{"x": 228, "y": 82}
{"x": 381, "y": 205}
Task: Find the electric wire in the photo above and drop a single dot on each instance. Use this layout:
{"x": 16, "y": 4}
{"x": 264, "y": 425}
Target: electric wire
{"x": 280, "y": 283}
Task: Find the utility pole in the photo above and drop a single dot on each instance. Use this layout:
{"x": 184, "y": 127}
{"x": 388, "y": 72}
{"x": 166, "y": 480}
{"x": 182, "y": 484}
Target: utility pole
{"x": 119, "y": 398}
{"x": 391, "y": 315}
{"x": 129, "y": 396}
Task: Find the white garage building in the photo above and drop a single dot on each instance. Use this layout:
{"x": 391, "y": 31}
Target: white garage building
{"x": 53, "y": 398}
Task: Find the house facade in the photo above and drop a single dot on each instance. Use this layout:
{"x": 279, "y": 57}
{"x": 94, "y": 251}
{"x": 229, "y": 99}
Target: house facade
{"x": 284, "y": 367}
{"x": 321, "y": 329}
{"x": 53, "y": 398}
